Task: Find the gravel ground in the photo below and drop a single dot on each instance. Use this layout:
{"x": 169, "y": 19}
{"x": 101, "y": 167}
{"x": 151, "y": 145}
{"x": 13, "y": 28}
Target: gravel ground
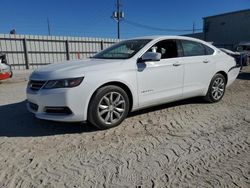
{"x": 183, "y": 144}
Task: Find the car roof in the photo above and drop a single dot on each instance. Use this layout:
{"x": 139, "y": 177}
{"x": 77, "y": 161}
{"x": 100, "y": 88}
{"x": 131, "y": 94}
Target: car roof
{"x": 162, "y": 37}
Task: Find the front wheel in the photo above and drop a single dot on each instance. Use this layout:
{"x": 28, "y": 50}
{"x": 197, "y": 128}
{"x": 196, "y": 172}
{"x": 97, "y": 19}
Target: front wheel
{"x": 108, "y": 107}
{"x": 216, "y": 88}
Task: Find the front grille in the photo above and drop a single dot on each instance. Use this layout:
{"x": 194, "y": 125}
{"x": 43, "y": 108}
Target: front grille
{"x": 33, "y": 106}
{"x": 36, "y": 85}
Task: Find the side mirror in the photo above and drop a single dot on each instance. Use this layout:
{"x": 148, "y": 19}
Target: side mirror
{"x": 150, "y": 56}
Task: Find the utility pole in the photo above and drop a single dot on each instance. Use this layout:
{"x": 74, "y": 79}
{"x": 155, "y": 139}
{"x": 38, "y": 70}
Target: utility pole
{"x": 118, "y": 18}
{"x": 118, "y": 15}
{"x": 193, "y": 27}
{"x": 48, "y": 26}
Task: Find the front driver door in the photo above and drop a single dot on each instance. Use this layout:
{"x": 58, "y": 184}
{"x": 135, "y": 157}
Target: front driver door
{"x": 161, "y": 81}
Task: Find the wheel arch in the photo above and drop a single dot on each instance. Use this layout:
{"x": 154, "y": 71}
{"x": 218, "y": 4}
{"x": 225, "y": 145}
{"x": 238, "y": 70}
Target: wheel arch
{"x": 218, "y": 72}
{"x": 119, "y": 84}
{"x": 224, "y": 74}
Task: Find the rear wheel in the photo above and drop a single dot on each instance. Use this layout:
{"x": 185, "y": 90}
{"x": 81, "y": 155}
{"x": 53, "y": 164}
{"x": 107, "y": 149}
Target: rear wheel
{"x": 108, "y": 107}
{"x": 216, "y": 88}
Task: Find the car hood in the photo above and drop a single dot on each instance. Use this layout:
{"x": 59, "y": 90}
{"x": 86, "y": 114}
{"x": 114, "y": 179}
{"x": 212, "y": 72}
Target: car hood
{"x": 75, "y": 68}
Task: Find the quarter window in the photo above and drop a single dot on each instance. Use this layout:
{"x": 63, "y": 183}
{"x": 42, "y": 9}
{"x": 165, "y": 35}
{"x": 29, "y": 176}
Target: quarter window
{"x": 209, "y": 51}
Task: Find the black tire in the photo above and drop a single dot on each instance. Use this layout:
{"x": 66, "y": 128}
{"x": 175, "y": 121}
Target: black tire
{"x": 95, "y": 115}
{"x": 211, "y": 95}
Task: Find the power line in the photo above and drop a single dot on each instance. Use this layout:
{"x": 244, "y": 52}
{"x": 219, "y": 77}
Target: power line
{"x": 157, "y": 28}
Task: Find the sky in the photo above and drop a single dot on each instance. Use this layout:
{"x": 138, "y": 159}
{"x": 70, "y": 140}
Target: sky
{"x": 92, "y": 18}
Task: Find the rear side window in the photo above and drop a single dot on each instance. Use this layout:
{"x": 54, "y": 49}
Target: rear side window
{"x": 191, "y": 48}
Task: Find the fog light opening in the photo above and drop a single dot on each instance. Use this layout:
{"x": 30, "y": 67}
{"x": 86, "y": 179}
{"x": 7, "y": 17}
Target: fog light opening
{"x": 58, "y": 110}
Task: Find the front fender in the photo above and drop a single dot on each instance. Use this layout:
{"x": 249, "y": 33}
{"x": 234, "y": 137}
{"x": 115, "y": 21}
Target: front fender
{"x": 127, "y": 78}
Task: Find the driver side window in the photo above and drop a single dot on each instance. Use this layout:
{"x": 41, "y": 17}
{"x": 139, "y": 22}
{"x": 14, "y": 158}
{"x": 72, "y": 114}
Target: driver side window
{"x": 167, "y": 49}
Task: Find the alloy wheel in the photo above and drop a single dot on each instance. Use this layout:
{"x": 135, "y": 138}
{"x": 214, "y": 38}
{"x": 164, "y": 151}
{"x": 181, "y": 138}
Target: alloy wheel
{"x": 111, "y": 107}
{"x": 218, "y": 88}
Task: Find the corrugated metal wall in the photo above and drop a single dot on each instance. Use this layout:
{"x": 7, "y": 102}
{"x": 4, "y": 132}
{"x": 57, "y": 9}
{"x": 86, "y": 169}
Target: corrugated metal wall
{"x": 31, "y": 51}
{"x": 227, "y": 30}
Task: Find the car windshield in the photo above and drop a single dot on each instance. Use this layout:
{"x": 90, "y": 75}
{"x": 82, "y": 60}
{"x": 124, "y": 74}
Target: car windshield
{"x": 122, "y": 50}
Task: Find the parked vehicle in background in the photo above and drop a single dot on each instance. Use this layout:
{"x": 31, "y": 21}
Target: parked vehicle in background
{"x": 128, "y": 76}
{"x": 240, "y": 58}
{"x": 5, "y": 69}
{"x": 244, "y": 48}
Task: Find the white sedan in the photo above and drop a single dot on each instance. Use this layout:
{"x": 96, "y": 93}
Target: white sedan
{"x": 128, "y": 76}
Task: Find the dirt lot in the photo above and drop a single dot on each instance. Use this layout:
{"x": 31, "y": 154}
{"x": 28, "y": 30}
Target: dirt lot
{"x": 183, "y": 144}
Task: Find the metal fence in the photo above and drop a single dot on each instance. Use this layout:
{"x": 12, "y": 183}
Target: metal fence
{"x": 31, "y": 51}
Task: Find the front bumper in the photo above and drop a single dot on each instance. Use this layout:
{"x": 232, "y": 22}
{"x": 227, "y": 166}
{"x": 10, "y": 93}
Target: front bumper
{"x": 38, "y": 102}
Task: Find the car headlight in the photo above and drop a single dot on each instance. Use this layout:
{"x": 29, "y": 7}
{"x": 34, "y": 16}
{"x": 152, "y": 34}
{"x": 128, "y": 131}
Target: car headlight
{"x": 63, "y": 83}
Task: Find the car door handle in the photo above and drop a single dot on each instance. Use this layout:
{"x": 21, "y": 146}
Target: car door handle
{"x": 205, "y": 61}
{"x": 176, "y": 64}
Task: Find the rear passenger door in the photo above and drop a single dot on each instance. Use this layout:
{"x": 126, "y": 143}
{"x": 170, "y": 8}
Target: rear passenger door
{"x": 199, "y": 67}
